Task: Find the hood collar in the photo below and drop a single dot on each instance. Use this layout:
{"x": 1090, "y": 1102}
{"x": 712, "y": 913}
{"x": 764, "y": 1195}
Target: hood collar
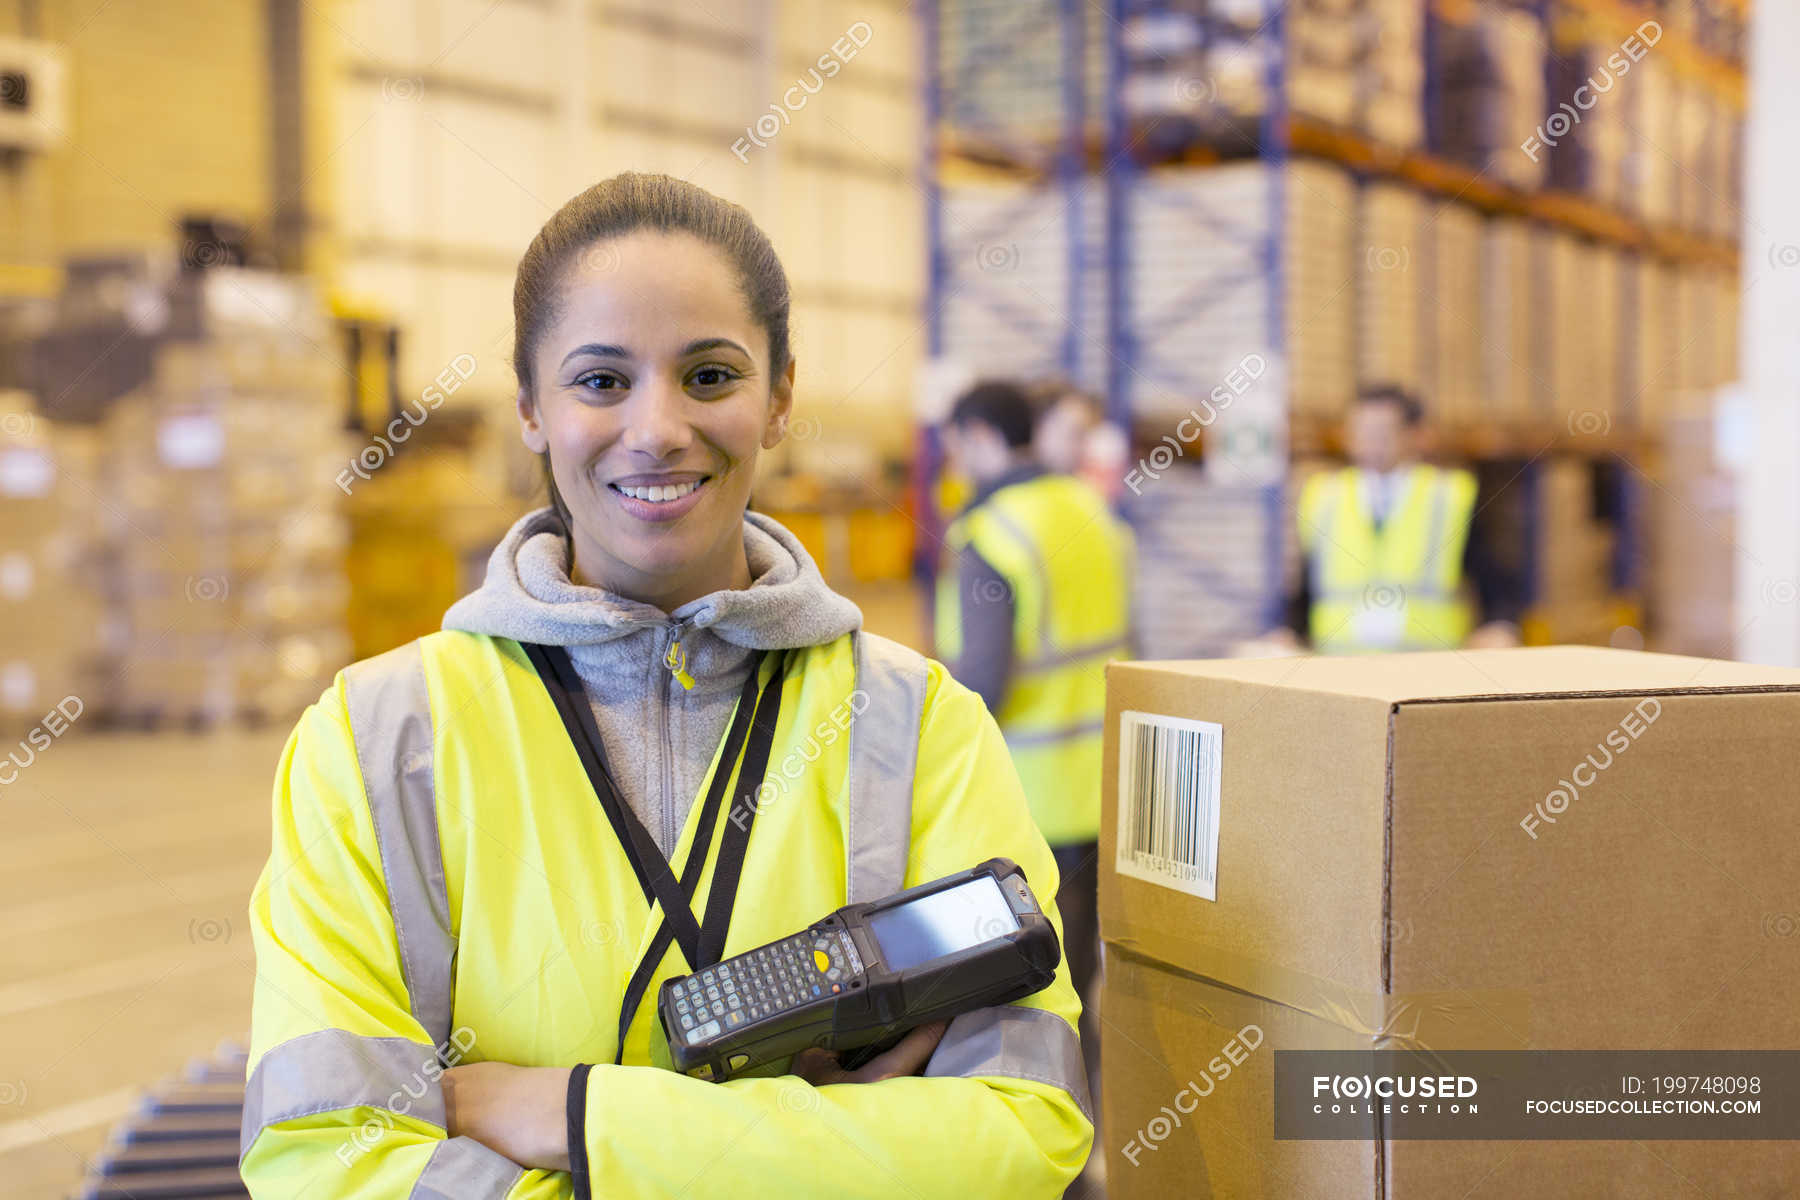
{"x": 528, "y": 596}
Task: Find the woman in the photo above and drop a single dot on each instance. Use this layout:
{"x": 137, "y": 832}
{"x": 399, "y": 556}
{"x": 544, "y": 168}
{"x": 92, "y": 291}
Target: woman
{"x": 458, "y": 941}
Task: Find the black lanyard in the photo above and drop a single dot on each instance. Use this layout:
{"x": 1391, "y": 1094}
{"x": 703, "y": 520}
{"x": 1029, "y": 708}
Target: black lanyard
{"x": 702, "y": 942}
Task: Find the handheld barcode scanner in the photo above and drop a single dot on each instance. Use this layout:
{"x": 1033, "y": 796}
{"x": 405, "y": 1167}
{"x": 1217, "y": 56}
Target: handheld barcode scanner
{"x": 864, "y": 975}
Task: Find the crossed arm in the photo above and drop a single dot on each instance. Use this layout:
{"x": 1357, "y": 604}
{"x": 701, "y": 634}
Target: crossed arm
{"x": 344, "y": 1084}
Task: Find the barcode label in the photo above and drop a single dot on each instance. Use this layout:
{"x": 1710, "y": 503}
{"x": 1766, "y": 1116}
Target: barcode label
{"x": 1169, "y": 801}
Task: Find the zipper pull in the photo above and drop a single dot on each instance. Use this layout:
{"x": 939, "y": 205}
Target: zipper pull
{"x": 676, "y": 660}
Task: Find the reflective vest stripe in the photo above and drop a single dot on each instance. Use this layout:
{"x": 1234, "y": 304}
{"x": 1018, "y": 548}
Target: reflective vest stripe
{"x": 1317, "y": 526}
{"x": 1039, "y": 568}
{"x": 884, "y": 750}
{"x": 390, "y": 721}
{"x": 462, "y": 1168}
{"x": 1434, "y": 536}
{"x": 331, "y": 1069}
{"x": 1018, "y": 1043}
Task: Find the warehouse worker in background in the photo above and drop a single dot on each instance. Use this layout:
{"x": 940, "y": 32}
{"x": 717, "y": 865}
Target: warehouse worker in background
{"x": 1073, "y": 437}
{"x": 454, "y": 883}
{"x": 1386, "y": 545}
{"x": 1033, "y": 601}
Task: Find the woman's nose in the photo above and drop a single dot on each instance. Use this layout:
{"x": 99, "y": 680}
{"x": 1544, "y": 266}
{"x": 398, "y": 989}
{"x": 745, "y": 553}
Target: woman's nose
{"x": 656, "y": 420}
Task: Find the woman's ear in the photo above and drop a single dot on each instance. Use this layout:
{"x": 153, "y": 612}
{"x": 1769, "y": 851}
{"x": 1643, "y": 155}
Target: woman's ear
{"x": 531, "y": 429}
{"x": 781, "y": 405}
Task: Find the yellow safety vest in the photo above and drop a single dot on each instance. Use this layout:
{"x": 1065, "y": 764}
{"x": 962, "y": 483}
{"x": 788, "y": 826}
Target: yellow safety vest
{"x": 1067, "y": 560}
{"x": 1398, "y": 588}
{"x": 444, "y": 888}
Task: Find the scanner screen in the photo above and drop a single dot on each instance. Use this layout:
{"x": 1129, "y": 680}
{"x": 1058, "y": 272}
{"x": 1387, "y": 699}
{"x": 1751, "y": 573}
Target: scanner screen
{"x": 942, "y": 923}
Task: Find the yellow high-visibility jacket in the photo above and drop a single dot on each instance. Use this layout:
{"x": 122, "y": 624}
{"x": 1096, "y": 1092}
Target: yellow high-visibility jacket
{"x": 1393, "y": 588}
{"x": 1067, "y": 561}
{"x": 444, "y": 888}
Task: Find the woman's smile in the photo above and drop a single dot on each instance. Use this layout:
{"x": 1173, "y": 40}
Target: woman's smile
{"x": 660, "y": 497}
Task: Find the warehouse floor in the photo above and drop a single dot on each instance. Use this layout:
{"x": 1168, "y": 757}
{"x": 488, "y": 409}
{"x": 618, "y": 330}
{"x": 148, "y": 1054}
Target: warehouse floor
{"x": 124, "y": 879}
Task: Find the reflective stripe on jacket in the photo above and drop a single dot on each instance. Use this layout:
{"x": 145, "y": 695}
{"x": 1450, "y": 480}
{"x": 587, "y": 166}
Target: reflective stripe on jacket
{"x": 1398, "y": 588}
{"x": 1067, "y": 561}
{"x": 443, "y": 887}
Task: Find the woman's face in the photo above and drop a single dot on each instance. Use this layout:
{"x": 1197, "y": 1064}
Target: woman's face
{"x": 653, "y": 395}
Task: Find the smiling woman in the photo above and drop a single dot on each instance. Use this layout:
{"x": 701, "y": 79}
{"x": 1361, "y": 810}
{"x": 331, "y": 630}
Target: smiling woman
{"x": 490, "y": 845}
{"x": 661, "y": 422}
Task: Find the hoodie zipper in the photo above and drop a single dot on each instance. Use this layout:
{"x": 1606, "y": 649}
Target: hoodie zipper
{"x": 674, "y": 661}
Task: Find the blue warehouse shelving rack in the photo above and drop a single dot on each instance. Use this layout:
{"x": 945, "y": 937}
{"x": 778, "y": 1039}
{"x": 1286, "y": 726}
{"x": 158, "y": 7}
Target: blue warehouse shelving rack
{"x": 1125, "y": 195}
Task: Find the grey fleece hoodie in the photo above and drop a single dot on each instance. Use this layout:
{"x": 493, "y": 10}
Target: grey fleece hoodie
{"x": 659, "y": 738}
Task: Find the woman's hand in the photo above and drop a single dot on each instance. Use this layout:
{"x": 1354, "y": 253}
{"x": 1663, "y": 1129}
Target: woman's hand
{"x": 907, "y": 1057}
{"x": 521, "y": 1112}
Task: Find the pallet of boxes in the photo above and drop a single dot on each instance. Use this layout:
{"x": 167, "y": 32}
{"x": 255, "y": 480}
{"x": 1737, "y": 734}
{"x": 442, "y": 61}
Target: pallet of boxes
{"x": 1542, "y": 850}
{"x": 229, "y": 581}
{"x": 51, "y": 616}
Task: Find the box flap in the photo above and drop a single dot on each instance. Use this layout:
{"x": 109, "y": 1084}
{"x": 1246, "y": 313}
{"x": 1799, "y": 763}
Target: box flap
{"x": 1457, "y": 674}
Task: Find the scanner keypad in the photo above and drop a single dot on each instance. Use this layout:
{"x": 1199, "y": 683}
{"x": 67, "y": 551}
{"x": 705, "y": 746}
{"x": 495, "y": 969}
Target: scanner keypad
{"x": 768, "y": 980}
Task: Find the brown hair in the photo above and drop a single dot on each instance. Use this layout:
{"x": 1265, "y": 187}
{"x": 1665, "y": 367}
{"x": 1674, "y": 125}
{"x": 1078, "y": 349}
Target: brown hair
{"x": 623, "y": 204}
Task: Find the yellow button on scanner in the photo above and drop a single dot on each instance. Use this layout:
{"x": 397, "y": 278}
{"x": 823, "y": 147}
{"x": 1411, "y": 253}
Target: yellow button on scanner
{"x": 822, "y": 960}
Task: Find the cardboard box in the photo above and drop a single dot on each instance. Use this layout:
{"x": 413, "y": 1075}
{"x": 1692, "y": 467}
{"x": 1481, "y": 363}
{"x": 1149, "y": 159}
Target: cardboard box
{"x": 1387, "y": 877}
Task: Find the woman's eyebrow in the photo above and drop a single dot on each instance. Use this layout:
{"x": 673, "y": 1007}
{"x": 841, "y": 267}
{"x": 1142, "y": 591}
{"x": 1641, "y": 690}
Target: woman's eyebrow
{"x": 598, "y": 349}
{"x": 714, "y": 343}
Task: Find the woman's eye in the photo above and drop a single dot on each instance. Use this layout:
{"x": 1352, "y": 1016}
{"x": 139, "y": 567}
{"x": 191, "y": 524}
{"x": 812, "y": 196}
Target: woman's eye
{"x": 714, "y": 376}
{"x": 600, "y": 381}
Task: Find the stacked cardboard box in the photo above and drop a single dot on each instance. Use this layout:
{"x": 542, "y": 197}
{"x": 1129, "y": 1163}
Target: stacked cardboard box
{"x": 1325, "y": 50}
{"x": 1693, "y": 131}
{"x": 229, "y": 530}
{"x": 1453, "y": 308}
{"x": 1199, "y": 272}
{"x": 1019, "y": 91}
{"x": 1652, "y": 170}
{"x": 1693, "y": 546}
{"x": 1009, "y": 305}
{"x": 1573, "y": 548}
{"x": 1588, "y": 156}
{"x": 1585, "y": 337}
{"x": 1489, "y": 95}
{"x": 1707, "y": 142}
{"x": 1390, "y": 323}
{"x": 1719, "y": 27}
{"x": 1371, "y": 873}
{"x": 1359, "y": 64}
{"x": 1515, "y": 373}
{"x": 1199, "y": 536}
{"x": 1181, "y": 86}
{"x": 1595, "y": 343}
{"x": 1705, "y": 320}
{"x": 1655, "y": 342}
{"x": 1391, "y": 85}
{"x": 51, "y": 617}
{"x": 1319, "y": 257}
{"x": 1200, "y": 241}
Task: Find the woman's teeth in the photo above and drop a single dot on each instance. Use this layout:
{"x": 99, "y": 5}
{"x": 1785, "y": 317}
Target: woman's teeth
{"x": 661, "y": 494}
